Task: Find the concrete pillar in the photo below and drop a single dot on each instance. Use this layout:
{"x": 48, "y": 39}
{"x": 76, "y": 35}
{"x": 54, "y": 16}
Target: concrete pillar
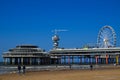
{"x": 22, "y": 60}
{"x": 19, "y": 61}
{"x": 30, "y": 61}
{"x": 86, "y": 60}
{"x": 10, "y": 60}
{"x": 13, "y": 61}
{"x": 90, "y": 59}
{"x": 60, "y": 59}
{"x": 45, "y": 60}
{"x": 5, "y": 61}
{"x": 106, "y": 59}
{"x": 96, "y": 59}
{"x": 68, "y": 59}
{"x": 81, "y": 60}
{"x": 72, "y": 59}
{"x": 64, "y": 60}
{"x": 42, "y": 61}
{"x": 117, "y": 59}
{"x": 27, "y": 61}
{"x": 16, "y": 61}
{"x": 38, "y": 61}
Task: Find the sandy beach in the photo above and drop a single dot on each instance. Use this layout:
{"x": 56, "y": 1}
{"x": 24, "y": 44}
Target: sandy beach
{"x": 102, "y": 74}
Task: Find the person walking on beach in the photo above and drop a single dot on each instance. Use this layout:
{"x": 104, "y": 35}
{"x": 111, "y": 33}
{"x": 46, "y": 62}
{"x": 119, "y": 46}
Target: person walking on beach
{"x": 91, "y": 67}
{"x": 70, "y": 66}
{"x": 19, "y": 69}
{"x": 24, "y": 69}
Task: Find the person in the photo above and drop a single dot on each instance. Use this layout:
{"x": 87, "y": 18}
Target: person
{"x": 19, "y": 69}
{"x": 70, "y": 66}
{"x": 91, "y": 67}
{"x": 24, "y": 69}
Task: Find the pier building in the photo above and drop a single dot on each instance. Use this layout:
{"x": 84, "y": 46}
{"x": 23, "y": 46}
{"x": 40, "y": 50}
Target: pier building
{"x": 26, "y": 54}
{"x": 87, "y": 55}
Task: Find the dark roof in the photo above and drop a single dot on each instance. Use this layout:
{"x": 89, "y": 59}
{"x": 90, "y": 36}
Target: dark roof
{"x": 27, "y": 46}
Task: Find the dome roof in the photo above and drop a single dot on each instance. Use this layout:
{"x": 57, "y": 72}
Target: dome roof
{"x": 55, "y": 38}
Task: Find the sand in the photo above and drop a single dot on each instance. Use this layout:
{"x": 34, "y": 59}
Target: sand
{"x": 102, "y": 74}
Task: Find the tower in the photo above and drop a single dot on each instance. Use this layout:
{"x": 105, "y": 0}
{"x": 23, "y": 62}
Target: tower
{"x": 56, "y": 38}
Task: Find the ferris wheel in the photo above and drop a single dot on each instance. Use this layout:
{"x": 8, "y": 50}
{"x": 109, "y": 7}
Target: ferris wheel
{"x": 106, "y": 37}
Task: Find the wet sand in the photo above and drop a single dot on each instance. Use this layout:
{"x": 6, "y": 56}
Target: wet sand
{"x": 101, "y": 74}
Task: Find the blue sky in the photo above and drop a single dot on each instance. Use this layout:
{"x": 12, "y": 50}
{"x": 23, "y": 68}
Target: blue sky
{"x": 31, "y": 21}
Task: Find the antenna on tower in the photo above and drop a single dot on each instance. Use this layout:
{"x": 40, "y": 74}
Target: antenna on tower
{"x": 58, "y": 30}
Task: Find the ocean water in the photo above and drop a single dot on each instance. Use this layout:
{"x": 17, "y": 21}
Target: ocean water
{"x": 7, "y": 69}
{"x": 13, "y": 69}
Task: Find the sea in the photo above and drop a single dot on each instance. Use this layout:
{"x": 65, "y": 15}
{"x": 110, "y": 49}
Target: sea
{"x": 6, "y": 69}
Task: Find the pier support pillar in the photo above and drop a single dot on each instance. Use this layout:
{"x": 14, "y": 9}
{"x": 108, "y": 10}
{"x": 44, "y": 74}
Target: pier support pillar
{"x": 30, "y": 61}
{"x": 13, "y": 61}
{"x": 68, "y": 59}
{"x": 10, "y": 61}
{"x": 22, "y": 60}
{"x": 90, "y": 59}
{"x": 106, "y": 59}
{"x": 5, "y": 61}
{"x": 79, "y": 60}
{"x": 60, "y": 60}
{"x": 38, "y": 61}
{"x": 64, "y": 60}
{"x": 72, "y": 60}
{"x": 96, "y": 59}
{"x": 117, "y": 59}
